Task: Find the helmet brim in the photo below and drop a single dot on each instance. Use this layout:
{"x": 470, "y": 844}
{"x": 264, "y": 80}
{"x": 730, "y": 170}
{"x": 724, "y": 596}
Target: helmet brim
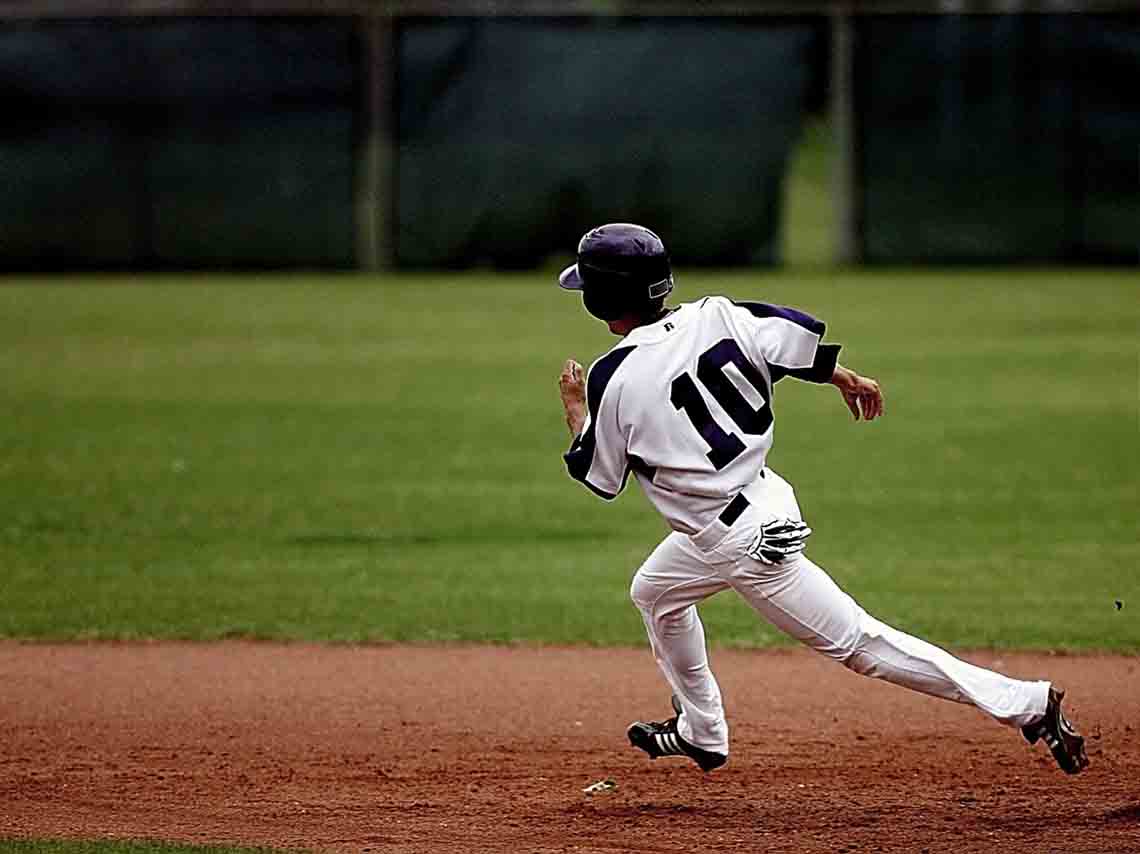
{"x": 570, "y": 279}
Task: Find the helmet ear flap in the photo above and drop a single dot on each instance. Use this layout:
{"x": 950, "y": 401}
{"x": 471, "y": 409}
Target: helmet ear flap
{"x": 603, "y": 303}
{"x": 662, "y": 289}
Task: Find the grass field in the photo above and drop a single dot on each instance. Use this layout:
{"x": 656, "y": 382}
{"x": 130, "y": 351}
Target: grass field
{"x": 378, "y": 458}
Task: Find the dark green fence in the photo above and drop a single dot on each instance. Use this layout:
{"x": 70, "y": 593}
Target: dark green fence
{"x": 183, "y": 142}
{"x": 177, "y": 143}
{"x": 999, "y": 138}
{"x": 516, "y": 136}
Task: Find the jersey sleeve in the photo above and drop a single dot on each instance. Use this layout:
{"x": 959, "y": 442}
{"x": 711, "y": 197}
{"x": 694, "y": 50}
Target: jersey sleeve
{"x": 597, "y": 456}
{"x": 790, "y": 342}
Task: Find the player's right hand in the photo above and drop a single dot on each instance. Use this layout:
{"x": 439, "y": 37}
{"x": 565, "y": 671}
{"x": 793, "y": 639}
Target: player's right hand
{"x": 572, "y": 388}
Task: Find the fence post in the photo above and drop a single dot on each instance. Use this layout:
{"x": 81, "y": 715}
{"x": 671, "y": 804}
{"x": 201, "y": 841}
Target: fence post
{"x": 375, "y": 165}
{"x": 847, "y": 184}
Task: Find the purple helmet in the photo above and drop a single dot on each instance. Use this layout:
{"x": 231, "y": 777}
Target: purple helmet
{"x": 622, "y": 268}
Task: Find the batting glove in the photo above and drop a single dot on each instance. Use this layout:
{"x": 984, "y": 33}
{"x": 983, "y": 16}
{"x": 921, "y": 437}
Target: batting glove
{"x": 778, "y": 540}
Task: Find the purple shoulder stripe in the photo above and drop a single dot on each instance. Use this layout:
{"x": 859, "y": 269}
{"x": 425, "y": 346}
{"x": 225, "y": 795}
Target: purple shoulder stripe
{"x": 800, "y": 318}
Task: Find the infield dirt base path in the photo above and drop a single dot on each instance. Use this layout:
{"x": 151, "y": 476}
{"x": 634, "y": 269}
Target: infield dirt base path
{"x": 487, "y": 749}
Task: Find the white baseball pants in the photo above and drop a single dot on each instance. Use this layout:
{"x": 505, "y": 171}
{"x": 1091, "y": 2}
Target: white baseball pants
{"x": 801, "y": 600}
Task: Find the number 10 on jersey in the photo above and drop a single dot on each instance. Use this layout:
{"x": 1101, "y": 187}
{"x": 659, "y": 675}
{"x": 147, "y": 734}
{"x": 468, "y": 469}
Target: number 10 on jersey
{"x": 685, "y": 395}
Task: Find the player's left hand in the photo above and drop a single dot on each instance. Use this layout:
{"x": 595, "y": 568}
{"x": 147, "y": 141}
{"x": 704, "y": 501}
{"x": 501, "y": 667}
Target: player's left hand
{"x": 863, "y": 395}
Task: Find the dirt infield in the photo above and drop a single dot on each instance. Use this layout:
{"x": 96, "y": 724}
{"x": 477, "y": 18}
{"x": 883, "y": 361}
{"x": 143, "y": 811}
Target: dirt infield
{"x": 433, "y": 749}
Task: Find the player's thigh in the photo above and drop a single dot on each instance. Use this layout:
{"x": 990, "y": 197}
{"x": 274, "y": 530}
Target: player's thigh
{"x": 676, "y": 575}
{"x": 803, "y": 601}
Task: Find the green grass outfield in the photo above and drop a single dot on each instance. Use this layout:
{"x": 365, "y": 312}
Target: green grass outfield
{"x": 359, "y": 458}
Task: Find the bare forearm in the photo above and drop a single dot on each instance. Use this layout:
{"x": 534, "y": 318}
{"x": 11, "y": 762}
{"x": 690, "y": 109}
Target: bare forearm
{"x": 575, "y": 420}
{"x": 843, "y": 378}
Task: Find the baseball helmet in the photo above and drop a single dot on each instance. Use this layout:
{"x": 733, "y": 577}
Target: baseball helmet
{"x": 622, "y": 268}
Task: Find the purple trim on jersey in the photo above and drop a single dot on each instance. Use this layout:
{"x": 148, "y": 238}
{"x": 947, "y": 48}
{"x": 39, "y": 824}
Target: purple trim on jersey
{"x": 821, "y": 370}
{"x": 581, "y": 454}
{"x": 573, "y": 459}
{"x": 601, "y": 493}
{"x": 634, "y": 463}
{"x": 640, "y": 466}
{"x": 800, "y": 318}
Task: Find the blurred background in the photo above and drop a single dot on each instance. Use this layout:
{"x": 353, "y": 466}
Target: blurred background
{"x": 174, "y": 134}
{"x": 279, "y": 333}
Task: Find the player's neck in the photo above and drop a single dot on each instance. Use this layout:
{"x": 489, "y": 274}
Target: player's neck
{"x": 629, "y": 322}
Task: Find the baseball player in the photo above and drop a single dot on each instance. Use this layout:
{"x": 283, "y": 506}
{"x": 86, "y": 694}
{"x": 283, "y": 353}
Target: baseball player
{"x": 684, "y": 402}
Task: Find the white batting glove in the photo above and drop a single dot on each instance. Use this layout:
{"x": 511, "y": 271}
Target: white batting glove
{"x": 778, "y": 540}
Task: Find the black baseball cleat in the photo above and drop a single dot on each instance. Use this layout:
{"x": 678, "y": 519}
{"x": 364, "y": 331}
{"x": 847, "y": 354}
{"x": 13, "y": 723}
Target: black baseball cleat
{"x": 662, "y": 739}
{"x": 1067, "y": 746}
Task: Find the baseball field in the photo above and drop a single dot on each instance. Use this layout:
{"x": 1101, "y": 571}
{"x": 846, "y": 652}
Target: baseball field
{"x": 292, "y": 561}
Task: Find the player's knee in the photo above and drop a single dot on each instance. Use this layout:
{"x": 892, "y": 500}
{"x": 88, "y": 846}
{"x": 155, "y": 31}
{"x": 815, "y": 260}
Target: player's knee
{"x": 667, "y": 618}
{"x": 859, "y": 651}
{"x": 643, "y": 593}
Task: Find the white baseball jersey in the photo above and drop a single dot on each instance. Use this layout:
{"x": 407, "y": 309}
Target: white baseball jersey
{"x": 685, "y": 403}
